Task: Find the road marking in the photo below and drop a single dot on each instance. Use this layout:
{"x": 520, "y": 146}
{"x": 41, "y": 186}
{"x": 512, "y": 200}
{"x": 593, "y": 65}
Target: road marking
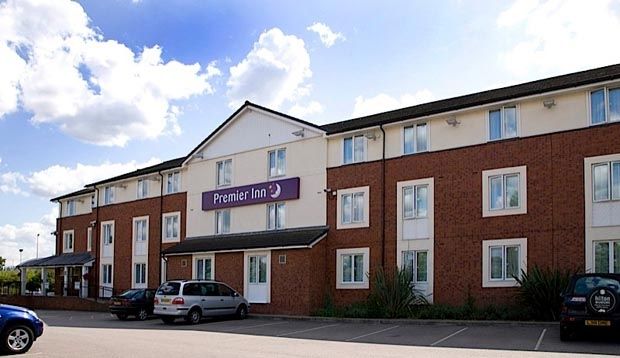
{"x": 448, "y": 337}
{"x": 255, "y": 326}
{"x": 540, "y": 339}
{"x": 307, "y": 330}
{"x": 371, "y": 333}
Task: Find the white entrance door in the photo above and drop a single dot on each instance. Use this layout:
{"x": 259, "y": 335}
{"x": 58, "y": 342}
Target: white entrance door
{"x": 258, "y": 267}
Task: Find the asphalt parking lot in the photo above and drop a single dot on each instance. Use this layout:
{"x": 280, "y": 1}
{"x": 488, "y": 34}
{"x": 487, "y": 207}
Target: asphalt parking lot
{"x": 513, "y": 338}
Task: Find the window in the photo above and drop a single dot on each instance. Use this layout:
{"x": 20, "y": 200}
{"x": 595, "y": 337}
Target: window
{"x": 605, "y": 105}
{"x": 70, "y": 207}
{"x": 203, "y": 268}
{"x": 354, "y": 149}
{"x": 171, "y": 226}
{"x": 225, "y": 290}
{"x": 108, "y": 234}
{"x": 140, "y": 274}
{"x": 415, "y": 138}
{"x": 172, "y": 183}
{"x": 352, "y": 208}
{"x": 503, "y": 123}
{"x": 606, "y": 181}
{"x": 416, "y": 264}
{"x": 257, "y": 269}
{"x": 415, "y": 201}
{"x": 108, "y": 195}
{"x": 352, "y": 268}
{"x": 106, "y": 272}
{"x": 140, "y": 231}
{"x": 143, "y": 188}
{"x": 502, "y": 261}
{"x": 68, "y": 241}
{"x": 277, "y": 163}
{"x": 607, "y": 256}
{"x": 504, "y": 191}
{"x": 222, "y": 221}
{"x": 224, "y": 172}
{"x": 89, "y": 239}
{"x": 276, "y": 216}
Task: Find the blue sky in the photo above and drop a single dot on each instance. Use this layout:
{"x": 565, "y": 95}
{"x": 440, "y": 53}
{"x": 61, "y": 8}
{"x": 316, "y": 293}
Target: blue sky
{"x": 81, "y": 98}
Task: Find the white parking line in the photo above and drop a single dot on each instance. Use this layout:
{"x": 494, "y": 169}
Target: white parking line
{"x": 540, "y": 339}
{"x": 255, "y": 326}
{"x": 448, "y": 337}
{"x": 371, "y": 333}
{"x": 307, "y": 330}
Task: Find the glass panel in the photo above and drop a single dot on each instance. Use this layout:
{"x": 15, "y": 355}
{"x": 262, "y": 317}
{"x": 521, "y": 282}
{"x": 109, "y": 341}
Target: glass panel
{"x": 614, "y": 104}
{"x": 421, "y": 201}
{"x": 252, "y": 268}
{"x": 346, "y": 268}
{"x": 169, "y": 227}
{"x": 272, "y": 164}
{"x": 601, "y": 257}
{"x": 359, "y": 268}
{"x": 346, "y": 209}
{"x": 495, "y": 124}
{"x": 169, "y": 184}
{"x": 408, "y": 140}
{"x": 359, "y": 149}
{"x": 510, "y": 122}
{"x": 512, "y": 262}
{"x": 175, "y": 226}
{"x": 281, "y": 216}
{"x": 496, "y": 198}
{"x": 347, "y": 147}
{"x": 226, "y": 222}
{"x": 512, "y": 191}
{"x": 200, "y": 269}
{"x": 496, "y": 262}
{"x": 408, "y": 257}
{"x": 421, "y": 266}
{"x": 408, "y": 202}
{"x": 421, "y": 142}
{"x": 262, "y": 269}
{"x": 271, "y": 216}
{"x": 617, "y": 257}
{"x": 208, "y": 275}
{"x": 615, "y": 180}
{"x": 281, "y": 161}
{"x": 601, "y": 182}
{"x": 358, "y": 207}
{"x": 597, "y": 106}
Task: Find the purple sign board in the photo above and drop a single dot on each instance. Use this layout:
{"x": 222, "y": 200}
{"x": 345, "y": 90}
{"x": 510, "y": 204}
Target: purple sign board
{"x": 276, "y": 190}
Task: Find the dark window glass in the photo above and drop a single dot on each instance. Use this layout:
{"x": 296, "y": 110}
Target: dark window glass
{"x": 211, "y": 289}
{"x": 169, "y": 288}
{"x": 129, "y": 294}
{"x": 585, "y": 285}
{"x": 225, "y": 290}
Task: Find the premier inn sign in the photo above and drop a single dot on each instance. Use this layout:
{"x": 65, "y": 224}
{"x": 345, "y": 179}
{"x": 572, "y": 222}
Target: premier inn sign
{"x": 276, "y": 190}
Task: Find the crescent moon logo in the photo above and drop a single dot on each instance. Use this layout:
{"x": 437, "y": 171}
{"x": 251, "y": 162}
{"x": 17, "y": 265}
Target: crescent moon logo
{"x": 277, "y": 192}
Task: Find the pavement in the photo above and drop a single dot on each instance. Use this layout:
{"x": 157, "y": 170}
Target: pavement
{"x": 79, "y": 334}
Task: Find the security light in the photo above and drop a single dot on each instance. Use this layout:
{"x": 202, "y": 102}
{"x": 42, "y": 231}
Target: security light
{"x": 371, "y": 136}
{"x": 452, "y": 121}
{"x": 548, "y": 103}
{"x": 299, "y": 133}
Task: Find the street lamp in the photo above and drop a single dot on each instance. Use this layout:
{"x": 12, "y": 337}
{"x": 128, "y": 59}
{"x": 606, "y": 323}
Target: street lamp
{"x": 37, "y": 256}
{"x": 20, "y": 255}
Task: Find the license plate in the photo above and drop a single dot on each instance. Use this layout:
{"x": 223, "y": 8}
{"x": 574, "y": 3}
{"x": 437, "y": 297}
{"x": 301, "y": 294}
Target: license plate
{"x": 117, "y": 303}
{"x": 598, "y": 323}
{"x": 165, "y": 300}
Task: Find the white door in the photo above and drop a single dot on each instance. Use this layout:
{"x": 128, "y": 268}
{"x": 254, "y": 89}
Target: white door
{"x": 258, "y": 278}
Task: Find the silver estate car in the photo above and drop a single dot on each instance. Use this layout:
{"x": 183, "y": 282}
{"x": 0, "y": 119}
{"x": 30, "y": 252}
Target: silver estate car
{"x": 194, "y": 299}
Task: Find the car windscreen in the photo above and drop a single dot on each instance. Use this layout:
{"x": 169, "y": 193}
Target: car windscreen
{"x": 585, "y": 285}
{"x": 129, "y": 294}
{"x": 169, "y": 288}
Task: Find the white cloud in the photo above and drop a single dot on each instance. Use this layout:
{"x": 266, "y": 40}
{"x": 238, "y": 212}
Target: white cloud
{"x": 24, "y": 237}
{"x": 327, "y": 36}
{"x": 560, "y": 36}
{"x": 274, "y": 71}
{"x": 62, "y": 71}
{"x": 301, "y": 111}
{"x": 11, "y": 183}
{"x": 383, "y": 102}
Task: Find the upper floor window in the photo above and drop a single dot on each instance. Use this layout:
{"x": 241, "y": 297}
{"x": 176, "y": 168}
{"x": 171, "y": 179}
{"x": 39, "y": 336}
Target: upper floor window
{"x": 224, "y": 172}
{"x": 606, "y": 181}
{"x": 108, "y": 195}
{"x": 143, "y": 188}
{"x": 415, "y": 138}
{"x": 504, "y": 191}
{"x": 607, "y": 256}
{"x": 415, "y": 201}
{"x": 172, "y": 183}
{"x": 503, "y": 123}
{"x": 108, "y": 234}
{"x": 70, "y": 207}
{"x": 605, "y": 105}
{"x": 89, "y": 239}
{"x": 352, "y": 208}
{"x": 277, "y": 162}
{"x": 140, "y": 230}
{"x": 171, "y": 226}
{"x": 67, "y": 241}
{"x": 222, "y": 221}
{"x": 276, "y": 216}
{"x": 354, "y": 149}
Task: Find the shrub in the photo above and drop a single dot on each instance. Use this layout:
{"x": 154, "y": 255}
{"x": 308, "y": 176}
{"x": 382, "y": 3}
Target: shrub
{"x": 392, "y": 294}
{"x": 540, "y": 291}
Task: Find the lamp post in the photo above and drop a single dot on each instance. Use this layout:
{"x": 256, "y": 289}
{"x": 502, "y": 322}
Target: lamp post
{"x": 37, "y": 255}
{"x": 20, "y": 255}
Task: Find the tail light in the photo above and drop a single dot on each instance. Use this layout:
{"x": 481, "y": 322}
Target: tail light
{"x": 156, "y": 301}
{"x": 178, "y": 301}
{"x": 564, "y": 308}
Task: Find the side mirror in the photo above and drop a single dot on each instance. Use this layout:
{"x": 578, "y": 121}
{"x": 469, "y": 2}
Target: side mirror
{"x": 235, "y": 294}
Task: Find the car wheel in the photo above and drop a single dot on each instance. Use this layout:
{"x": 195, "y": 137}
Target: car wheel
{"x": 242, "y": 312}
{"x": 121, "y": 316}
{"x": 167, "y": 320}
{"x": 194, "y": 316}
{"x": 566, "y": 334}
{"x": 17, "y": 339}
{"x": 142, "y": 314}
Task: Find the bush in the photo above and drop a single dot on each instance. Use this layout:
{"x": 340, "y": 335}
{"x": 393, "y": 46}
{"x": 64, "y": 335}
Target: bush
{"x": 540, "y": 291}
{"x": 393, "y": 295}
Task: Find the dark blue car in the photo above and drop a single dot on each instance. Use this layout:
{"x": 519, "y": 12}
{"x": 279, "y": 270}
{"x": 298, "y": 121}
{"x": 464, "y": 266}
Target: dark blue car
{"x": 19, "y": 328}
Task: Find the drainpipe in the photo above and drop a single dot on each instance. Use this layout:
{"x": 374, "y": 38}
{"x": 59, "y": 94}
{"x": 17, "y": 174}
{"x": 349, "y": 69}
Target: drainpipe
{"x": 161, "y": 223}
{"x": 382, "y": 197}
{"x": 96, "y": 241}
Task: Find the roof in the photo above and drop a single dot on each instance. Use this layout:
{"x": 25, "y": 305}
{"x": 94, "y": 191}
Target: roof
{"x": 239, "y": 110}
{"x": 252, "y": 240}
{"x": 169, "y": 164}
{"x": 70, "y": 259}
{"x": 476, "y": 99}
{"x": 75, "y": 193}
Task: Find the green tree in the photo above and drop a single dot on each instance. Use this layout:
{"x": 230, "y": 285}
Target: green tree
{"x": 2, "y": 262}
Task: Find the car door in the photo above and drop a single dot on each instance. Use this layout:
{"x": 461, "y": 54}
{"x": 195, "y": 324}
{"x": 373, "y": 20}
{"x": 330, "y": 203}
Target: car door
{"x": 149, "y": 296}
{"x": 211, "y": 303}
{"x": 227, "y": 299}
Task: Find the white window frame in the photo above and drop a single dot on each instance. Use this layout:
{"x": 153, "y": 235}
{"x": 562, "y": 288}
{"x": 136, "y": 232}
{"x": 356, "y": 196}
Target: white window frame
{"x": 276, "y": 152}
{"x": 486, "y": 261}
{"x": 364, "y": 285}
{"x": 606, "y": 95}
{"x": 142, "y": 188}
{"x": 108, "y": 195}
{"x": 503, "y": 122}
{"x": 610, "y": 259}
{"x": 218, "y": 216}
{"x": 176, "y": 182}
{"x": 415, "y": 138}
{"x": 146, "y": 229}
{"x": 415, "y": 188}
{"x": 280, "y": 223}
{"x": 109, "y": 274}
{"x": 164, "y": 237}
{"x": 610, "y": 181}
{"x": 246, "y": 275}
{"x": 105, "y": 240}
{"x": 70, "y": 211}
{"x": 195, "y": 260}
{"x": 365, "y": 149}
{"x": 65, "y": 247}
{"x": 143, "y": 272}
{"x": 365, "y": 191}
{"x": 223, "y": 164}
{"x": 89, "y": 239}
{"x": 486, "y": 191}
{"x": 414, "y": 277}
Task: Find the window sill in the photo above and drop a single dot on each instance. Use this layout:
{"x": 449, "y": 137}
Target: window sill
{"x": 164, "y": 241}
{"x": 504, "y": 212}
{"x": 352, "y": 226}
{"x": 500, "y": 283}
{"x": 352, "y": 286}
{"x": 502, "y": 139}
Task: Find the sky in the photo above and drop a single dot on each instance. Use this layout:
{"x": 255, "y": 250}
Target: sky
{"x": 92, "y": 89}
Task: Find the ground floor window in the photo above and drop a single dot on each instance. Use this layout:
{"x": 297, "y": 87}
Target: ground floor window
{"x": 352, "y": 268}
{"x": 140, "y": 274}
{"x": 203, "y": 268}
{"x": 416, "y": 263}
{"x": 257, "y": 269}
{"x": 106, "y": 271}
{"x": 607, "y": 256}
{"x": 502, "y": 261}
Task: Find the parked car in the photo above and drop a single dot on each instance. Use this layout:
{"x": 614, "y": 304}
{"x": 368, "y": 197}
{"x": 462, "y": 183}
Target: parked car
{"x": 195, "y": 299}
{"x": 133, "y": 302}
{"x": 591, "y": 301}
{"x": 20, "y": 327}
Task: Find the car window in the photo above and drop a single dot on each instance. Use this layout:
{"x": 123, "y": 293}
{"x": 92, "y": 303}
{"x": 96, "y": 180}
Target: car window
{"x": 129, "y": 294}
{"x": 585, "y": 285}
{"x": 225, "y": 290}
{"x": 169, "y": 288}
{"x": 149, "y": 295}
{"x": 193, "y": 289}
{"x": 211, "y": 289}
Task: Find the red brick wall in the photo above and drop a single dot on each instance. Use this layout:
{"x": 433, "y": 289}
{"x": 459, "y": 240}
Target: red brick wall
{"x": 229, "y": 269}
{"x": 54, "y": 303}
{"x": 177, "y": 269}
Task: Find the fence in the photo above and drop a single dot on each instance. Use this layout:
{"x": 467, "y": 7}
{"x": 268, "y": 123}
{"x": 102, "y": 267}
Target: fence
{"x": 10, "y": 289}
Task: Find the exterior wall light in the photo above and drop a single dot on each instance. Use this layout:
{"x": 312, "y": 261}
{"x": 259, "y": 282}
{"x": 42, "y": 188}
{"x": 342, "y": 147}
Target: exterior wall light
{"x": 548, "y": 103}
{"x": 452, "y": 121}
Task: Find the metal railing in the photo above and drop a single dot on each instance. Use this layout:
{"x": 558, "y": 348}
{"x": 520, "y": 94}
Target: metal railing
{"x": 10, "y": 289}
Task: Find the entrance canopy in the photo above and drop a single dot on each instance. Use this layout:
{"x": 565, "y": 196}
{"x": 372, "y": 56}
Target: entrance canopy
{"x": 63, "y": 260}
